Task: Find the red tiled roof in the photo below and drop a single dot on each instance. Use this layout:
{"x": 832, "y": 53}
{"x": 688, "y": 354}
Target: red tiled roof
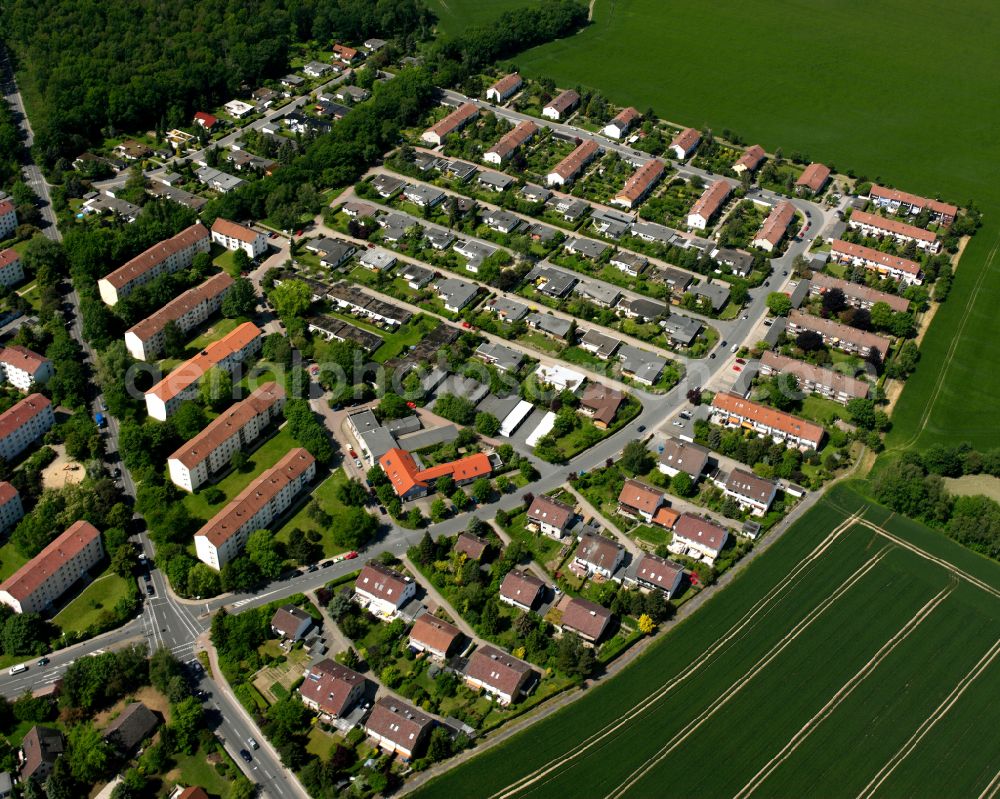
{"x": 521, "y": 586}
{"x": 233, "y": 230}
{"x": 206, "y": 119}
{"x": 398, "y": 722}
{"x": 19, "y": 415}
{"x": 255, "y": 496}
{"x": 180, "y": 305}
{"x": 564, "y": 101}
{"x": 639, "y": 496}
{"x": 687, "y": 139}
{"x": 893, "y": 226}
{"x": 769, "y": 417}
{"x": 598, "y": 550}
{"x": 513, "y": 139}
{"x": 7, "y": 492}
{"x": 852, "y": 250}
{"x": 641, "y": 180}
{"x": 694, "y": 528}
{"x": 507, "y": 84}
{"x": 6, "y": 207}
{"x": 712, "y": 199}
{"x": 815, "y": 374}
{"x": 455, "y": 120}
{"x": 192, "y": 370}
{"x": 658, "y": 571}
{"x": 381, "y": 582}
{"x": 602, "y": 401}
{"x": 434, "y": 633}
{"x": 194, "y": 792}
{"x": 824, "y": 281}
{"x": 26, "y": 580}
{"x": 814, "y": 176}
{"x": 551, "y": 511}
{"x": 22, "y": 358}
{"x": 8, "y": 257}
{"x": 495, "y": 668}
{"x": 329, "y": 685}
{"x": 401, "y": 469}
{"x": 156, "y": 254}
{"x": 627, "y": 116}
{"x": 470, "y": 545}
{"x": 777, "y": 222}
{"x": 586, "y": 618}
{"x": 894, "y": 195}
{"x": 665, "y": 517}
{"x": 576, "y": 160}
{"x": 752, "y": 157}
{"x": 831, "y": 329}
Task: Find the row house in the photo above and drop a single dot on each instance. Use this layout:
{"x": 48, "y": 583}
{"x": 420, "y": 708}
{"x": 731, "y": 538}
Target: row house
{"x": 857, "y": 295}
{"x": 570, "y": 167}
{"x": 23, "y": 424}
{"x": 382, "y": 590}
{"x": 224, "y": 536}
{"x": 560, "y": 107}
{"x": 886, "y": 265}
{"x": 11, "y": 509}
{"x": 452, "y": 123}
{"x": 42, "y": 580}
{"x": 750, "y": 492}
{"x": 640, "y": 184}
{"x": 234, "y": 430}
{"x": 896, "y": 201}
{"x": 815, "y": 379}
{"x": 623, "y": 122}
{"x": 775, "y": 227}
{"x": 510, "y": 142}
{"x": 165, "y": 258}
{"x": 226, "y": 354}
{"x": 505, "y": 88}
{"x": 24, "y": 368}
{"x": 11, "y": 270}
{"x": 732, "y": 410}
{"x": 878, "y": 226}
{"x": 145, "y": 340}
{"x": 709, "y": 204}
{"x": 239, "y": 237}
{"x": 8, "y": 219}
{"x": 842, "y": 337}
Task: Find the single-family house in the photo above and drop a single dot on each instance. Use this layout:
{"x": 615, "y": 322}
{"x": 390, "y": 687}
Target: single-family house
{"x": 550, "y": 516}
{"x": 521, "y": 589}
{"x": 596, "y": 554}
{"x": 382, "y": 590}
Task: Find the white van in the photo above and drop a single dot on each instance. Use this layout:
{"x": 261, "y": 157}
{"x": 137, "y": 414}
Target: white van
{"x": 18, "y": 669}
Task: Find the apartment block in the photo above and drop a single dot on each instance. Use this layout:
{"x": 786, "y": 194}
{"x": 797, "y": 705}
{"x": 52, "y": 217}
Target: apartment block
{"x": 856, "y": 294}
{"x": 233, "y": 431}
{"x": 47, "y": 576}
{"x": 815, "y": 379}
{"x": 24, "y": 424}
{"x": 8, "y": 219}
{"x": 238, "y": 237}
{"x": 732, "y": 410}
{"x": 11, "y": 510}
{"x": 842, "y": 337}
{"x": 223, "y": 536}
{"x": 452, "y": 123}
{"x": 901, "y": 201}
{"x": 145, "y": 340}
{"x": 168, "y": 256}
{"x": 227, "y": 353}
{"x": 875, "y": 225}
{"x": 886, "y": 265}
{"x": 23, "y": 368}
{"x": 11, "y": 271}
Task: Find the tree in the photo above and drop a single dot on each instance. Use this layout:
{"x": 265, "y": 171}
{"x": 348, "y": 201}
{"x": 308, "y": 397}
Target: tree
{"x": 459, "y": 499}
{"x": 203, "y": 581}
{"x": 60, "y": 783}
{"x": 809, "y": 341}
{"x": 123, "y": 561}
{"x": 682, "y": 485}
{"x": 340, "y": 605}
{"x": 241, "y": 261}
{"x": 187, "y": 721}
{"x": 262, "y": 549}
{"x": 489, "y": 619}
{"x": 880, "y": 315}
{"x": 291, "y": 299}
{"x": 573, "y": 658}
{"x": 482, "y": 490}
{"x": 834, "y": 302}
{"x": 239, "y": 460}
{"x": 636, "y": 458}
{"x": 392, "y": 406}
{"x": 174, "y": 342}
{"x": 444, "y": 484}
{"x": 277, "y": 349}
{"x": 89, "y": 754}
{"x": 646, "y": 625}
{"x": 487, "y": 424}
{"x": 779, "y": 304}
{"x": 352, "y": 493}
{"x": 438, "y": 509}
{"x": 216, "y": 388}
{"x": 354, "y": 528}
{"x": 25, "y": 634}
{"x": 189, "y": 420}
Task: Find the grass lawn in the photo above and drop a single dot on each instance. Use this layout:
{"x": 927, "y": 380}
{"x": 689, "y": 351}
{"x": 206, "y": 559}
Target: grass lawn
{"x": 867, "y": 656}
{"x": 542, "y": 548}
{"x": 224, "y": 260}
{"x": 321, "y": 743}
{"x": 821, "y": 410}
{"x": 196, "y": 770}
{"x": 269, "y": 453}
{"x": 326, "y": 495}
{"x": 98, "y": 597}
{"x": 652, "y": 535}
{"x": 10, "y": 560}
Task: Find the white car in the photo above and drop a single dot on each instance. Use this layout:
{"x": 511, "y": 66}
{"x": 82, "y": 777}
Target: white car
{"x": 678, "y": 423}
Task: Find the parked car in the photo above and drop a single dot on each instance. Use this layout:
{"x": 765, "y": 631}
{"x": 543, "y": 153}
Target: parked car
{"x": 326, "y": 564}
{"x": 350, "y": 555}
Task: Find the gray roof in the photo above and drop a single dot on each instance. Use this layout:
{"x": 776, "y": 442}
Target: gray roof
{"x": 135, "y": 723}
{"x": 739, "y": 260}
{"x": 717, "y": 293}
{"x": 601, "y": 293}
{"x": 466, "y": 387}
{"x": 500, "y": 407}
{"x": 428, "y": 195}
{"x": 430, "y": 437}
{"x": 418, "y": 274}
{"x": 439, "y": 238}
{"x": 543, "y": 233}
{"x": 644, "y": 307}
{"x": 644, "y": 365}
{"x": 630, "y": 259}
{"x": 570, "y": 207}
{"x": 474, "y": 250}
{"x": 456, "y": 293}
{"x": 538, "y": 193}
{"x": 503, "y": 220}
{"x": 378, "y": 259}
{"x": 549, "y": 323}
{"x": 223, "y": 180}
{"x": 462, "y": 169}
{"x": 387, "y": 184}
{"x": 407, "y": 424}
{"x": 682, "y": 329}
{"x": 377, "y": 439}
{"x": 510, "y": 310}
{"x": 587, "y": 248}
{"x": 742, "y": 383}
{"x": 684, "y": 456}
{"x": 497, "y": 180}
{"x": 505, "y": 358}
{"x": 604, "y": 345}
{"x": 800, "y": 293}
{"x": 675, "y": 278}
{"x": 774, "y": 331}
{"x": 555, "y": 281}
{"x": 651, "y": 231}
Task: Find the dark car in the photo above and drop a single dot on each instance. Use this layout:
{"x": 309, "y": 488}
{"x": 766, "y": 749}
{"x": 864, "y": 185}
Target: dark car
{"x": 642, "y": 428}
{"x": 150, "y": 591}
{"x": 43, "y": 661}
{"x": 326, "y": 564}
{"x": 312, "y": 567}
{"x": 246, "y": 756}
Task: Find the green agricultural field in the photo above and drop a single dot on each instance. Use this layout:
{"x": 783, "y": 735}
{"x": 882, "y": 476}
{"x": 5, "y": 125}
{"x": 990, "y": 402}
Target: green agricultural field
{"x": 805, "y": 91}
{"x": 835, "y": 635}
{"x": 456, "y": 15}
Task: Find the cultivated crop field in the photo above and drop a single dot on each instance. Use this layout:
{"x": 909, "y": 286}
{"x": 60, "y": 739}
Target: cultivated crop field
{"x": 860, "y": 656}
{"x": 806, "y": 77}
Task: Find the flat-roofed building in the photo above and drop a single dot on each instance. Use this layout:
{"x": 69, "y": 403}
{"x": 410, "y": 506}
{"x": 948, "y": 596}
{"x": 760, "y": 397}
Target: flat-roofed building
{"x": 233, "y": 236}
{"x": 47, "y": 576}
{"x": 24, "y": 424}
{"x": 226, "y": 354}
{"x": 223, "y": 536}
{"x": 234, "y": 430}
{"x": 145, "y": 340}
{"x": 168, "y": 256}
{"x": 24, "y": 368}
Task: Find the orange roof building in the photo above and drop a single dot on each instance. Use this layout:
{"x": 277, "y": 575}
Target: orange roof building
{"x": 750, "y": 160}
{"x": 813, "y": 177}
{"x": 452, "y": 123}
{"x": 734, "y": 411}
{"x": 168, "y": 256}
{"x": 882, "y": 262}
{"x": 640, "y": 184}
{"x": 510, "y": 142}
{"x": 875, "y": 225}
{"x": 11, "y": 271}
{"x": 775, "y": 226}
{"x": 896, "y": 201}
{"x": 571, "y": 166}
{"x": 709, "y": 204}
{"x": 24, "y": 424}
{"x": 410, "y": 480}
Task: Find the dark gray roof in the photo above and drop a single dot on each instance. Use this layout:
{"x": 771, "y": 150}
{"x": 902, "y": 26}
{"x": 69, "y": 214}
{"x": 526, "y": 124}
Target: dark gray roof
{"x": 549, "y": 323}
{"x": 135, "y": 724}
{"x": 588, "y": 248}
{"x": 717, "y": 293}
{"x": 800, "y": 293}
{"x": 641, "y": 363}
{"x": 644, "y": 307}
{"x": 505, "y": 358}
{"x": 497, "y": 180}
{"x": 682, "y": 329}
{"x": 430, "y": 437}
{"x": 774, "y": 331}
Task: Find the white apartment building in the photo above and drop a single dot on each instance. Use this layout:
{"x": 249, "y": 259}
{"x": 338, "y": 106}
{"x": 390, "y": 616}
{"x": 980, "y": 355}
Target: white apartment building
{"x": 47, "y": 576}
{"x": 8, "y": 219}
{"x": 223, "y": 536}
{"x": 24, "y": 424}
{"x": 166, "y": 257}
{"x": 11, "y": 271}
{"x": 23, "y": 368}
{"x": 234, "y": 430}
{"x": 227, "y": 353}
{"x": 238, "y": 237}
{"x": 11, "y": 509}
{"x": 145, "y": 340}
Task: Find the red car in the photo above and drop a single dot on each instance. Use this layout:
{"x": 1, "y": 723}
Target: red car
{"x": 737, "y": 367}
{"x": 466, "y": 325}
{"x": 350, "y": 555}
{"x": 411, "y": 405}
{"x": 353, "y": 454}
{"x": 694, "y": 578}
{"x": 740, "y": 360}
{"x": 298, "y": 232}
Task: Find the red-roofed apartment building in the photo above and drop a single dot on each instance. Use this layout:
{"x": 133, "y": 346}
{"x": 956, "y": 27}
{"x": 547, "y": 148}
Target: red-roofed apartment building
{"x": 709, "y": 204}
{"x": 506, "y": 87}
{"x": 168, "y": 256}
{"x": 640, "y": 184}
{"x": 24, "y": 424}
{"x": 622, "y": 123}
{"x": 775, "y": 227}
{"x": 566, "y": 170}
{"x": 411, "y": 480}
{"x": 452, "y": 123}
{"x": 48, "y": 575}
{"x": 238, "y": 237}
{"x": 840, "y": 336}
{"x": 145, "y": 340}
{"x": 896, "y": 201}
{"x": 684, "y": 143}
{"x": 875, "y": 225}
{"x": 226, "y": 354}
{"x": 11, "y": 509}
{"x": 23, "y": 368}
{"x": 11, "y": 271}
{"x": 735, "y": 411}
{"x": 223, "y": 536}
{"x": 8, "y": 219}
{"x": 847, "y": 252}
